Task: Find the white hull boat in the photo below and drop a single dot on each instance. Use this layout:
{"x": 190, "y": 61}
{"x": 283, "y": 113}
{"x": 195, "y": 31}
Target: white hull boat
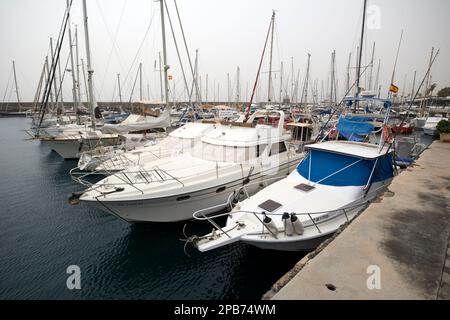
{"x": 329, "y": 188}
{"x": 178, "y": 141}
{"x": 430, "y": 127}
{"x": 171, "y": 189}
{"x": 71, "y": 146}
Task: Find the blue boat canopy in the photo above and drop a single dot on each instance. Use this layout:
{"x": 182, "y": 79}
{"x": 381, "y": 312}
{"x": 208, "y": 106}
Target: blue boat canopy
{"x": 340, "y": 170}
{"x": 354, "y": 129}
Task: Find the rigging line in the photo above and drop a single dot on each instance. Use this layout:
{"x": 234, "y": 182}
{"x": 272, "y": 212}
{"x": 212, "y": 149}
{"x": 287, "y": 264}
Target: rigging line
{"x": 48, "y": 84}
{"x": 187, "y": 51}
{"x": 47, "y": 91}
{"x": 132, "y": 90}
{"x": 113, "y": 39}
{"x": 259, "y": 71}
{"x": 62, "y": 78}
{"x": 139, "y": 49}
{"x": 337, "y": 107}
{"x": 178, "y": 53}
{"x": 7, "y": 86}
{"x": 418, "y": 89}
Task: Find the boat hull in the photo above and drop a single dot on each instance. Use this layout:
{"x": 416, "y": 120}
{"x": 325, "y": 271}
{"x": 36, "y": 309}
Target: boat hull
{"x": 67, "y": 149}
{"x": 430, "y": 132}
{"x": 182, "y": 206}
{"x": 71, "y": 148}
{"x": 297, "y": 243}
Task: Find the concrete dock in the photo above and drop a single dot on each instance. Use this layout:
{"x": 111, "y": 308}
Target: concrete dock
{"x": 398, "y": 248}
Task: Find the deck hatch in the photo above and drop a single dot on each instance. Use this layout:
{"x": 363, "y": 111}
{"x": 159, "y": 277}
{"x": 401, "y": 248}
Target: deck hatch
{"x": 270, "y": 205}
{"x": 304, "y": 187}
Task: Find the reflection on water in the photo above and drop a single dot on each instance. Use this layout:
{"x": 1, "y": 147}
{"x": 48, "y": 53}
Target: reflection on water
{"x": 41, "y": 235}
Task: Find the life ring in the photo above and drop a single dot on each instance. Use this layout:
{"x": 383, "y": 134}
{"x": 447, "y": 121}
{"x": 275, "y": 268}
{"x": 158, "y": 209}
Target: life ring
{"x": 388, "y": 136}
{"x": 332, "y": 135}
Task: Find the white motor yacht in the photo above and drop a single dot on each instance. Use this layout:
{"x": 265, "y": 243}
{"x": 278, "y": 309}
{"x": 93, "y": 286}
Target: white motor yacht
{"x": 171, "y": 189}
{"x": 181, "y": 140}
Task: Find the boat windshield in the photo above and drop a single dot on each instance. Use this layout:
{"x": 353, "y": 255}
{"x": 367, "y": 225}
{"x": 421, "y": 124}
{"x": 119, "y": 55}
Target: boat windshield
{"x": 340, "y": 170}
{"x": 181, "y": 144}
{"x": 221, "y": 153}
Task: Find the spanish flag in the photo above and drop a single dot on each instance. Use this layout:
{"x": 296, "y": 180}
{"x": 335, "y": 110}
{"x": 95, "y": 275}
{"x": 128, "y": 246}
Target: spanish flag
{"x": 393, "y": 88}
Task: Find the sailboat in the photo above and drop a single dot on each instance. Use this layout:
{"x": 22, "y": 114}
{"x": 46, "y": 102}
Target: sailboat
{"x": 18, "y": 113}
{"x": 69, "y": 141}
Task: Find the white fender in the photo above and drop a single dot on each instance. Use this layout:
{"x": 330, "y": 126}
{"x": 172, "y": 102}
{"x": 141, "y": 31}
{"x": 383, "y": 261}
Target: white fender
{"x": 288, "y": 227}
{"x": 297, "y": 225}
{"x": 269, "y": 224}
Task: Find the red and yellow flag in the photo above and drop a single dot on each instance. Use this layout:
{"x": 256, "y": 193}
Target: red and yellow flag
{"x": 393, "y": 88}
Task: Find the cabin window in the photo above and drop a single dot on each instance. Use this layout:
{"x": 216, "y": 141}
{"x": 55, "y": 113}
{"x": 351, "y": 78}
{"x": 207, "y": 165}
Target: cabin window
{"x": 221, "y": 153}
{"x": 278, "y": 148}
{"x": 260, "y": 149}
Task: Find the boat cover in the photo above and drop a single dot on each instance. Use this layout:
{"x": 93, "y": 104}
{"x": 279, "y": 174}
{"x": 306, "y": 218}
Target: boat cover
{"x": 136, "y": 123}
{"x": 324, "y": 164}
{"x": 354, "y": 129}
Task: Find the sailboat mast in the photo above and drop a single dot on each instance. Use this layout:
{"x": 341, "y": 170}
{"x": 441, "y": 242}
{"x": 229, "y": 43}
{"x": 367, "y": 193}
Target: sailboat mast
{"x": 332, "y": 76}
{"x": 371, "y": 67}
{"x": 427, "y": 84}
{"x": 89, "y": 65}
{"x": 271, "y": 56}
{"x": 160, "y": 77}
{"x": 84, "y": 79}
{"x": 358, "y": 79}
{"x": 281, "y": 83}
{"x": 166, "y": 67}
{"x": 377, "y": 78}
{"x": 49, "y": 84}
{"x": 72, "y": 65}
{"x": 228, "y": 90}
{"x": 292, "y": 79}
{"x": 120, "y": 90}
{"x": 347, "y": 85}
{"x": 304, "y": 97}
{"x": 396, "y": 58}
{"x": 206, "y": 93}
{"x": 140, "y": 82}
{"x": 238, "y": 91}
{"x": 17, "y": 87}
{"x": 413, "y": 86}
{"x": 54, "y": 78}
{"x": 77, "y": 65}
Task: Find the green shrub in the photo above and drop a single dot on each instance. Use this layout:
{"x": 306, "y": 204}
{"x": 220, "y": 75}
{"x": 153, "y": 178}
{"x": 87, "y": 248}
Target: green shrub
{"x": 443, "y": 126}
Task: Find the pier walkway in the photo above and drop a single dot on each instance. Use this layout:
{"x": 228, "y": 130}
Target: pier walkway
{"x": 398, "y": 248}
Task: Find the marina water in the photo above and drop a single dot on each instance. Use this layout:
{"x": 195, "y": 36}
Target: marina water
{"x": 41, "y": 235}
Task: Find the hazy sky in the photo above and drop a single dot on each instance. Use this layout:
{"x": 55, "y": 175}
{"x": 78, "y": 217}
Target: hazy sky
{"x": 228, "y": 33}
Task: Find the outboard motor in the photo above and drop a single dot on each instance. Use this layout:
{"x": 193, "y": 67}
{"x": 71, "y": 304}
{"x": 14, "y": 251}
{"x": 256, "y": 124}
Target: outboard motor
{"x": 297, "y": 225}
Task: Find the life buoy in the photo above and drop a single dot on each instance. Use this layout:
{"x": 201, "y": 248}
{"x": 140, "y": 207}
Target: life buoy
{"x": 388, "y": 136}
{"x": 332, "y": 135}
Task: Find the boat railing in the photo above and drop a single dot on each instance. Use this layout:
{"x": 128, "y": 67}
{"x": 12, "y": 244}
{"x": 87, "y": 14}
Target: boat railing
{"x": 315, "y": 218}
{"x": 134, "y": 178}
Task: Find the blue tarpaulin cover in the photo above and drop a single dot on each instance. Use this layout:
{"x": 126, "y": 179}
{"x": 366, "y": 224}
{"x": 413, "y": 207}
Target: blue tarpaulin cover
{"x": 324, "y": 164}
{"x": 354, "y": 129}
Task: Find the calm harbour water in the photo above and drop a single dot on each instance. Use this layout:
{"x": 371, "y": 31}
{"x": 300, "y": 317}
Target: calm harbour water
{"x": 41, "y": 235}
